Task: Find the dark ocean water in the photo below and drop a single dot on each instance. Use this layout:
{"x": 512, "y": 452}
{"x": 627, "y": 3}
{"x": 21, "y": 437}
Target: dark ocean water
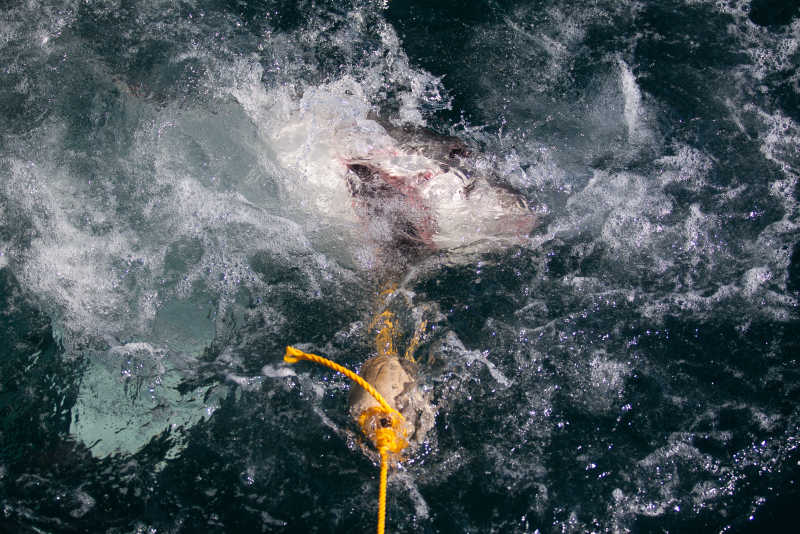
{"x": 633, "y": 367}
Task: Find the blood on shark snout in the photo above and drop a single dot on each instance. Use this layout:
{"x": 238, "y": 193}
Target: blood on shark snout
{"x": 429, "y": 197}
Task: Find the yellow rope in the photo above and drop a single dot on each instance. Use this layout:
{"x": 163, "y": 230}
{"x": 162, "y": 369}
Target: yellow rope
{"x": 384, "y": 339}
{"x": 387, "y": 324}
{"x": 382, "y": 492}
{"x": 294, "y": 355}
{"x": 385, "y": 423}
{"x": 412, "y": 346}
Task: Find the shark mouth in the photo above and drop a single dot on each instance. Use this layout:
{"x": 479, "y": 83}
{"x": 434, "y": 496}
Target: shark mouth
{"x": 428, "y": 196}
{"x": 394, "y": 199}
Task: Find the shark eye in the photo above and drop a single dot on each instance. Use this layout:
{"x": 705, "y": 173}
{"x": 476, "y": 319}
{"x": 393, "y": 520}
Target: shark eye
{"x": 458, "y": 151}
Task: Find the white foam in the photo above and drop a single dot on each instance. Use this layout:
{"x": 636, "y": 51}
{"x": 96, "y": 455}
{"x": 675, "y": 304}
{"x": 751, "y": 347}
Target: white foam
{"x": 624, "y": 209}
{"x": 754, "y": 279}
{"x": 451, "y": 342}
{"x": 661, "y": 489}
{"x": 605, "y": 382}
{"x": 49, "y": 20}
{"x": 98, "y": 272}
{"x": 532, "y": 46}
{"x": 632, "y": 98}
{"x": 421, "y": 507}
{"x": 4, "y": 221}
{"x": 482, "y": 356}
{"x": 307, "y": 137}
{"x": 689, "y": 167}
{"x": 80, "y": 275}
{"x": 631, "y": 216}
{"x": 780, "y": 142}
{"x": 84, "y": 501}
{"x": 281, "y": 371}
{"x": 246, "y": 383}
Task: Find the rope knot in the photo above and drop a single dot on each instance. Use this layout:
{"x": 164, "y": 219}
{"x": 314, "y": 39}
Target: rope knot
{"x": 386, "y": 429}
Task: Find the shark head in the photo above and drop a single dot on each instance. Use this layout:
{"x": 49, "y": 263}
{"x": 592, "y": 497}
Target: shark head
{"x": 428, "y": 194}
{"x": 405, "y": 192}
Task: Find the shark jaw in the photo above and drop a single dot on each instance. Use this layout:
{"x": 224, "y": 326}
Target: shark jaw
{"x": 425, "y": 194}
